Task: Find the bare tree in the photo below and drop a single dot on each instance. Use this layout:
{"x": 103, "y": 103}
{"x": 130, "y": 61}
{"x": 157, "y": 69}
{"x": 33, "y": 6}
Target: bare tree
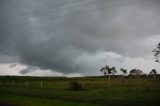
{"x": 157, "y": 53}
{"x": 153, "y": 72}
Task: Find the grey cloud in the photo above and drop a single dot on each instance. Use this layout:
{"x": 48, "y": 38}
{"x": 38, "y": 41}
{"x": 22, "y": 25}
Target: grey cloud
{"x": 8, "y": 59}
{"x": 47, "y": 42}
{"x": 13, "y": 65}
{"x": 28, "y": 70}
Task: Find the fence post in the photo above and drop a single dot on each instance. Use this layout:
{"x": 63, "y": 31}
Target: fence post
{"x": 109, "y": 83}
{"x": 27, "y": 83}
{"x": 13, "y": 83}
{"x": 41, "y": 83}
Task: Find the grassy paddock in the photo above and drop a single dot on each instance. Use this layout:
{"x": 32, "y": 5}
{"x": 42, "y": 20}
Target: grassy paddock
{"x": 95, "y": 92}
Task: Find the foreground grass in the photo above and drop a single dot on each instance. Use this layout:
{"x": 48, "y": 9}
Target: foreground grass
{"x": 133, "y": 93}
{"x": 35, "y": 101}
{"x": 97, "y": 97}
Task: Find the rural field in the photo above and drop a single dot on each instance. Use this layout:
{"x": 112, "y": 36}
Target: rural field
{"x": 85, "y": 91}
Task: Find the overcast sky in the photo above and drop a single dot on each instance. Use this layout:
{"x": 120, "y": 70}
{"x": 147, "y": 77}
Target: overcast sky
{"x": 77, "y": 37}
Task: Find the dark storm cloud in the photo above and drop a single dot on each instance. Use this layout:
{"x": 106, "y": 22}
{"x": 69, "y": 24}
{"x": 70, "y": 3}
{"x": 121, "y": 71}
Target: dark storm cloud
{"x": 55, "y": 38}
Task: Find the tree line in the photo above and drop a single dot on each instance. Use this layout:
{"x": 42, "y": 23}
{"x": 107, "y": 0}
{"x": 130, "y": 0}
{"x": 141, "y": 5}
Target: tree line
{"x": 107, "y": 70}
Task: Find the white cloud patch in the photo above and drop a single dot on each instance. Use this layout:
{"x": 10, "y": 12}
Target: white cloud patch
{"x": 5, "y": 69}
{"x": 93, "y": 63}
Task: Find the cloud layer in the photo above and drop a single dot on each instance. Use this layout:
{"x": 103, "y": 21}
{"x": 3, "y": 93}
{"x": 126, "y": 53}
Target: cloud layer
{"x": 76, "y": 36}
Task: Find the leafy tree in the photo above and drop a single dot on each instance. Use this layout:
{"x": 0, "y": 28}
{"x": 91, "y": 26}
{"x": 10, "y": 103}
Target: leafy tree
{"x": 153, "y": 72}
{"x": 136, "y": 72}
{"x": 157, "y": 53}
{"x": 107, "y": 70}
{"x": 124, "y": 72}
{"x": 113, "y": 70}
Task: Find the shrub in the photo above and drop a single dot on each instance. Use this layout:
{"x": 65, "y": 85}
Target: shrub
{"x": 76, "y": 86}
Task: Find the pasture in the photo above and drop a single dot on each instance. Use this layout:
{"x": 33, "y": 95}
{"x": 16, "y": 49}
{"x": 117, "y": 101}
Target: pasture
{"x": 85, "y": 91}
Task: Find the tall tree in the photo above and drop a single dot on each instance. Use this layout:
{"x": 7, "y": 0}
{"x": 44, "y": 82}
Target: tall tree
{"x": 104, "y": 69}
{"x": 113, "y": 71}
{"x": 153, "y": 72}
{"x": 107, "y": 70}
{"x": 124, "y": 72}
{"x": 157, "y": 53}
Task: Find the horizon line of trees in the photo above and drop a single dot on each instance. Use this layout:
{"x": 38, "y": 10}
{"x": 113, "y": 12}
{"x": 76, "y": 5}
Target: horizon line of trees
{"x": 112, "y": 71}
{"x": 134, "y": 72}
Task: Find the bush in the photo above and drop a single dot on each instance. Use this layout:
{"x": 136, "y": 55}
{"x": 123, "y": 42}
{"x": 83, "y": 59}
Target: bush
{"x": 76, "y": 86}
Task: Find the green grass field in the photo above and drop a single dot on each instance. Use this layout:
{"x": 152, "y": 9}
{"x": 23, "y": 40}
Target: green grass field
{"x": 92, "y": 92}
